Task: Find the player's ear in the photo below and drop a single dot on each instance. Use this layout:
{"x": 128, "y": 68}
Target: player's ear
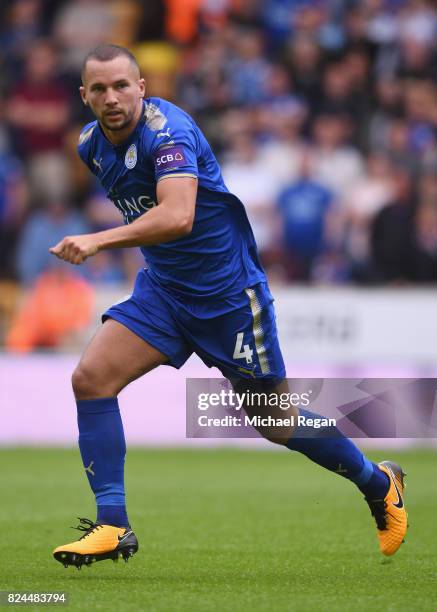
{"x": 142, "y": 87}
{"x": 83, "y": 95}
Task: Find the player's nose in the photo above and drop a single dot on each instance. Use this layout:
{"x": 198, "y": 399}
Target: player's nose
{"x": 111, "y": 97}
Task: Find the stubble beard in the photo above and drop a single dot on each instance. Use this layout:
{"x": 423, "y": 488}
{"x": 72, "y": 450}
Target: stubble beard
{"x": 125, "y": 121}
{"x": 117, "y": 127}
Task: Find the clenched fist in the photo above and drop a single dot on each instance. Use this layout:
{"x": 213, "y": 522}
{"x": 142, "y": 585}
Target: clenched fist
{"x": 76, "y": 249}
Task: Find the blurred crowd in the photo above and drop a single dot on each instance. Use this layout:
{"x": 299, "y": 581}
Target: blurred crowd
{"x": 322, "y": 113}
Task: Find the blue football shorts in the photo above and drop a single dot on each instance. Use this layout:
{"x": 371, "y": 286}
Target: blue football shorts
{"x": 242, "y": 341}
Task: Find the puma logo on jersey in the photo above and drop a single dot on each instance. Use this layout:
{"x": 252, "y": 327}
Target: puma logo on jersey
{"x": 98, "y": 164}
{"x": 247, "y": 371}
{"x": 162, "y": 134}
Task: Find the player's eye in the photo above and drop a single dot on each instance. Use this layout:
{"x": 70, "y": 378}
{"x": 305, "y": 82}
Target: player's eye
{"x": 122, "y": 85}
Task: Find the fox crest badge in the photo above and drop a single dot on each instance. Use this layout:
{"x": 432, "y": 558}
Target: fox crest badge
{"x": 130, "y": 159}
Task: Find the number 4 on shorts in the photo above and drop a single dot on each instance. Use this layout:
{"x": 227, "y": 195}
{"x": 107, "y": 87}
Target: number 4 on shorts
{"x": 240, "y": 351}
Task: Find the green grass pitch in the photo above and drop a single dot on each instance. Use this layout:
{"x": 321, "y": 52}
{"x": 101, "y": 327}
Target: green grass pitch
{"x": 220, "y": 530}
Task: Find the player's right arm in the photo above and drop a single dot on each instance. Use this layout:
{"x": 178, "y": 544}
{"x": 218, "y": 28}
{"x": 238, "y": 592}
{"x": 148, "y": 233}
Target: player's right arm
{"x": 172, "y": 219}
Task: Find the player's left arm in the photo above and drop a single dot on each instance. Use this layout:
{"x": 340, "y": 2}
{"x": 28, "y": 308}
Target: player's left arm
{"x": 171, "y": 219}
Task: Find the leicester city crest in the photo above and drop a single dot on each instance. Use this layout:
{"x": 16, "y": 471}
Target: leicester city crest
{"x": 130, "y": 159}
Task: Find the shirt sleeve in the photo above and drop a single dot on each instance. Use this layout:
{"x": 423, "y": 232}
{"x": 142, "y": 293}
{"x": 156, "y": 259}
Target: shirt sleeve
{"x": 174, "y": 149}
{"x": 85, "y": 144}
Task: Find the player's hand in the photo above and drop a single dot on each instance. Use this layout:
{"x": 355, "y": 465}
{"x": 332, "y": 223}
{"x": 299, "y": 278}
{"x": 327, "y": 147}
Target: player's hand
{"x": 76, "y": 249}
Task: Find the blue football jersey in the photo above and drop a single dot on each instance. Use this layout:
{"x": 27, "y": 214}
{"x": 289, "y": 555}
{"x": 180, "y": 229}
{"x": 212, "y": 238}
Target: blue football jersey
{"x": 219, "y": 257}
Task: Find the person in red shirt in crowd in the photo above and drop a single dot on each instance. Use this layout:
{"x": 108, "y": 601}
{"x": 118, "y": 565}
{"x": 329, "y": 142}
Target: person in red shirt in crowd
{"x": 39, "y": 111}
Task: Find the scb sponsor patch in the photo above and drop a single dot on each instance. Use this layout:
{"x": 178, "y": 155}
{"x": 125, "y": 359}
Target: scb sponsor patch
{"x": 170, "y": 157}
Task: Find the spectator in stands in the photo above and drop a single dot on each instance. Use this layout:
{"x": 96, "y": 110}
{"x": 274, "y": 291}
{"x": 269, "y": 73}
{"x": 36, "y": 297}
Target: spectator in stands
{"x": 304, "y": 208}
{"x": 367, "y": 196}
{"x": 112, "y": 266}
{"x": 204, "y": 89}
{"x": 280, "y": 121}
{"x": 43, "y": 229}
{"x": 127, "y": 17}
{"x": 337, "y": 165}
{"x": 38, "y": 110}
{"x": 182, "y": 19}
{"x": 22, "y": 26}
{"x": 13, "y": 208}
{"x": 277, "y": 16}
{"x": 248, "y": 71}
{"x": 418, "y": 21}
{"x": 414, "y": 59}
{"x": 79, "y": 26}
{"x": 358, "y": 67}
{"x": 337, "y": 95}
{"x": 381, "y": 23}
{"x": 424, "y": 255}
{"x": 309, "y": 18}
{"x": 387, "y": 107}
{"x": 391, "y": 233}
{"x": 304, "y": 61}
{"x": 41, "y": 322}
{"x": 247, "y": 177}
{"x": 356, "y": 23}
{"x": 420, "y": 110}
{"x": 398, "y": 146}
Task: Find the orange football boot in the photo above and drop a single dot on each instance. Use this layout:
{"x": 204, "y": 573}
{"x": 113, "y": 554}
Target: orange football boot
{"x": 99, "y": 542}
{"x": 389, "y": 513}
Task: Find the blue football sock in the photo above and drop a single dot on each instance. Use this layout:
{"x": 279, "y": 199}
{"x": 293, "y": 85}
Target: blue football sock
{"x": 329, "y": 448}
{"x": 103, "y": 449}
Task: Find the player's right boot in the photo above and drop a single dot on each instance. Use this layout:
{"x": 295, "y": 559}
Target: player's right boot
{"x": 99, "y": 542}
{"x": 389, "y": 513}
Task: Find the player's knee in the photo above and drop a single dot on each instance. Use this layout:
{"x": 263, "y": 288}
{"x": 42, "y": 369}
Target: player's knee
{"x": 86, "y": 383}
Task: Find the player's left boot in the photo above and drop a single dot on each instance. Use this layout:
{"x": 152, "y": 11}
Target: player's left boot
{"x": 389, "y": 513}
{"x": 99, "y": 542}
